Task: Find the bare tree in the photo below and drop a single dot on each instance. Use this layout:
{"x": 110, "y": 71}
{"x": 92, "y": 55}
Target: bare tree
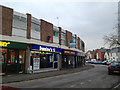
{"x": 111, "y": 40}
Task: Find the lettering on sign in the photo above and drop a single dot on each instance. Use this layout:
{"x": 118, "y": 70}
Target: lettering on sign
{"x": 66, "y": 52}
{"x": 4, "y": 44}
{"x": 47, "y": 49}
{"x": 72, "y": 52}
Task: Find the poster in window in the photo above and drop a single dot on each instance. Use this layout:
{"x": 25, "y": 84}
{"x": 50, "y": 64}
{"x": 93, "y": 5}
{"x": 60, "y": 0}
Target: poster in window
{"x": 36, "y": 63}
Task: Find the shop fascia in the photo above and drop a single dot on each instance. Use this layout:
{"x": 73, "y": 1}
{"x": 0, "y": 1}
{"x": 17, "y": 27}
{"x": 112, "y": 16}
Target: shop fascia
{"x": 4, "y": 44}
{"x": 68, "y": 52}
{"x": 45, "y": 48}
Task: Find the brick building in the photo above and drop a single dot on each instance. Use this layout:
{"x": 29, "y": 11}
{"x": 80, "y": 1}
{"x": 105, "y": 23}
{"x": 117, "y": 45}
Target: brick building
{"x": 97, "y": 54}
{"x": 32, "y": 44}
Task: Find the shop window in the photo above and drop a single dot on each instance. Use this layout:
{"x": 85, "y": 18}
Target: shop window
{"x": 21, "y": 56}
{"x": 3, "y": 59}
{"x": 12, "y": 56}
{"x": 3, "y": 55}
{"x": 21, "y": 60}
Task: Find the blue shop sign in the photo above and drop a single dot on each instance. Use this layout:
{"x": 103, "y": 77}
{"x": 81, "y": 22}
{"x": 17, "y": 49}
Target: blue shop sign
{"x": 45, "y": 48}
{"x": 80, "y": 54}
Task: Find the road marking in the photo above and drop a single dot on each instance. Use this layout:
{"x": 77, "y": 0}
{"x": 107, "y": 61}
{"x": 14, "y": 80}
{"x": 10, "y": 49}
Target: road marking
{"x": 116, "y": 86}
{"x": 82, "y": 83}
{"x": 72, "y": 86}
{"x": 89, "y": 80}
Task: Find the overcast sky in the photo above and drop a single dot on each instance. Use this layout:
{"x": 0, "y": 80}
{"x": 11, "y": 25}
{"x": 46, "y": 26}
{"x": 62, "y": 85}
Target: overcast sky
{"x": 89, "y": 20}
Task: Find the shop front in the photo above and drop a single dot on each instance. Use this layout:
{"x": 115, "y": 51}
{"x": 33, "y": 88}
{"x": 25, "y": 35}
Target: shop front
{"x": 80, "y": 59}
{"x": 12, "y": 57}
{"x": 44, "y": 57}
{"x": 68, "y": 59}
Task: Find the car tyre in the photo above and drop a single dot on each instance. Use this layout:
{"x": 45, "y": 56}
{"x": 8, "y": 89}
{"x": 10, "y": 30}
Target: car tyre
{"x": 109, "y": 73}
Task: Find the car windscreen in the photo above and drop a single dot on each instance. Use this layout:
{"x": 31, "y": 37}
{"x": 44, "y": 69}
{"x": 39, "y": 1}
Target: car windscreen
{"x": 115, "y": 63}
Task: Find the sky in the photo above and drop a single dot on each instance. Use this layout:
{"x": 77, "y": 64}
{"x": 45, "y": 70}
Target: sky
{"x": 90, "y": 20}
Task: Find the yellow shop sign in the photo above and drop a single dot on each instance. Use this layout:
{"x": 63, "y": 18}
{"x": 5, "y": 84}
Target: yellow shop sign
{"x": 4, "y": 44}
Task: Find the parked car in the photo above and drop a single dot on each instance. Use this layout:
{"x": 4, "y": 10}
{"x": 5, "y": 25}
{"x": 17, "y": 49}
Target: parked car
{"x": 89, "y": 61}
{"x": 107, "y": 62}
{"x": 98, "y": 62}
{"x": 93, "y": 60}
{"x": 114, "y": 67}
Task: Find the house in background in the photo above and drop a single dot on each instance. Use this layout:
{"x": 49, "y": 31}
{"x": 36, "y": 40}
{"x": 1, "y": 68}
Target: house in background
{"x": 97, "y": 54}
{"x": 114, "y": 52}
{"x": 107, "y": 55}
{"x": 89, "y": 55}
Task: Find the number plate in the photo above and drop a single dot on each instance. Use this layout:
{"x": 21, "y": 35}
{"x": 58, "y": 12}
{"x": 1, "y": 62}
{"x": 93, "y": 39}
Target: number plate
{"x": 116, "y": 71}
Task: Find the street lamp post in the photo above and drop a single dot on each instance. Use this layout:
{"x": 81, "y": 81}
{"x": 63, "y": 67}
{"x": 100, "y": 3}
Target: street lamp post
{"x": 119, "y": 30}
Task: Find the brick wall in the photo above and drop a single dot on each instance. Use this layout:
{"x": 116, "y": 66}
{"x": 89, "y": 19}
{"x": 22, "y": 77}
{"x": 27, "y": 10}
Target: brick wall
{"x": 78, "y": 43}
{"x": 46, "y": 30}
{"x": 75, "y": 39}
{"x": 68, "y": 37}
{"x": 7, "y": 19}
{"x": 59, "y": 35}
{"x": 83, "y": 46}
{"x": 28, "y": 26}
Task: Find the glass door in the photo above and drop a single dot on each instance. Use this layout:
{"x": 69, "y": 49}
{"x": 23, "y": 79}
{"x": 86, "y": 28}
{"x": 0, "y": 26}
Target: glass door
{"x": 21, "y": 61}
{"x": 12, "y": 66}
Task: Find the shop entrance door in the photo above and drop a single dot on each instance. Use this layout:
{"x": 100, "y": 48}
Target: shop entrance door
{"x": 12, "y": 65}
{"x": 15, "y": 61}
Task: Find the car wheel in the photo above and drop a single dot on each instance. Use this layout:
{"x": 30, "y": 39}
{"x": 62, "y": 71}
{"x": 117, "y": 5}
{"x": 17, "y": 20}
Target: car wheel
{"x": 109, "y": 73}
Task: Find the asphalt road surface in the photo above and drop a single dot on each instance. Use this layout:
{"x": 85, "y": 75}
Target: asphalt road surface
{"x": 93, "y": 78}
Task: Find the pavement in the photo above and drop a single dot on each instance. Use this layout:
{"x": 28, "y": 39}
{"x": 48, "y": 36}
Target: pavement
{"x": 27, "y": 77}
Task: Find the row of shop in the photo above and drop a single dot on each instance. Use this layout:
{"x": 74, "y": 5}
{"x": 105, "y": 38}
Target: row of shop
{"x": 13, "y": 57}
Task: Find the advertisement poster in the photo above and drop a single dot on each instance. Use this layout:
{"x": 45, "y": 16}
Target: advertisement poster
{"x": 36, "y": 63}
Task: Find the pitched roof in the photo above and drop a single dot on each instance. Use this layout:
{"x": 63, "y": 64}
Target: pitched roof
{"x": 103, "y": 50}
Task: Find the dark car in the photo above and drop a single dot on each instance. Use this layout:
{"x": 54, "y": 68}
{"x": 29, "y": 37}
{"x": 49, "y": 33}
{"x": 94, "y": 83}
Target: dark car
{"x": 114, "y": 67}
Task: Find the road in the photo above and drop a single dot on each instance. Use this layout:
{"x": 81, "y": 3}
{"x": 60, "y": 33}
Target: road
{"x": 92, "y": 78}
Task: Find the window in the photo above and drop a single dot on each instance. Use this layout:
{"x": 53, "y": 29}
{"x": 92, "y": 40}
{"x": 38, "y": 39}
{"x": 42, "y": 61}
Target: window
{"x": 19, "y": 22}
{"x": 12, "y": 56}
{"x": 3, "y": 59}
{"x": 63, "y": 38}
{"x": 77, "y": 43}
{"x": 62, "y": 42}
{"x": 35, "y": 26}
{"x": 63, "y": 35}
{"x": 55, "y": 33}
{"x": 21, "y": 56}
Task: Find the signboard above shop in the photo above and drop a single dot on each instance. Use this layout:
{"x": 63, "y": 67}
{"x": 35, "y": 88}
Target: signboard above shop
{"x": 68, "y": 52}
{"x": 72, "y": 43}
{"x": 15, "y": 45}
{"x": 45, "y": 48}
{"x": 80, "y": 54}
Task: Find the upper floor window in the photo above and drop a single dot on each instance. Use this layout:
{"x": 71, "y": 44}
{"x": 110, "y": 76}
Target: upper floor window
{"x": 19, "y": 27}
{"x": 63, "y": 38}
{"x": 19, "y": 22}
{"x": 35, "y": 28}
{"x": 55, "y": 33}
{"x": 35, "y": 24}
